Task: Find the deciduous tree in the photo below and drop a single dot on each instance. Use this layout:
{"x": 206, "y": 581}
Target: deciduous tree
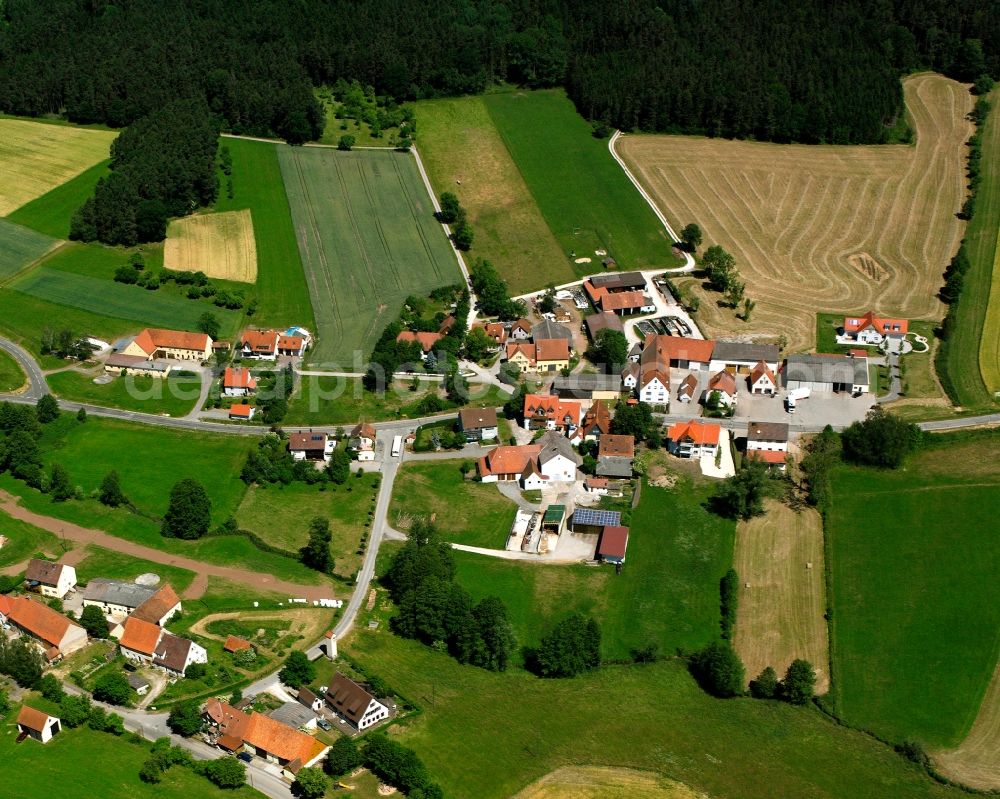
{"x": 190, "y": 512}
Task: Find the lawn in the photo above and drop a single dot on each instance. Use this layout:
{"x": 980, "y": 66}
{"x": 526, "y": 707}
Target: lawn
{"x": 60, "y": 282}
{"x": 467, "y": 512}
{"x": 486, "y": 736}
{"x": 52, "y": 213}
{"x": 464, "y": 154}
{"x": 282, "y": 294}
{"x": 281, "y": 516}
{"x": 11, "y": 374}
{"x": 100, "y": 765}
{"x": 321, "y": 400}
{"x": 173, "y": 396}
{"x": 109, "y": 565}
{"x": 24, "y": 318}
{"x": 585, "y": 197}
{"x": 916, "y": 605}
{"x": 20, "y": 247}
{"x": 37, "y": 157}
{"x": 368, "y": 239}
{"x": 971, "y": 362}
{"x": 25, "y": 541}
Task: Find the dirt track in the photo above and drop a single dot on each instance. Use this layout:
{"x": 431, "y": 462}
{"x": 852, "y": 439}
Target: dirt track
{"x": 85, "y": 535}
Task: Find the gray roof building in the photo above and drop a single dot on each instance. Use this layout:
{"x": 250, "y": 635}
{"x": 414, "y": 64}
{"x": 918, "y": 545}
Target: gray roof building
{"x": 111, "y": 592}
{"x": 767, "y": 431}
{"x": 554, "y": 444}
{"x": 606, "y": 320}
{"x": 549, "y": 330}
{"x": 293, "y": 714}
{"x": 835, "y": 370}
{"x": 614, "y": 466}
{"x": 585, "y": 384}
{"x": 743, "y": 352}
{"x": 619, "y": 281}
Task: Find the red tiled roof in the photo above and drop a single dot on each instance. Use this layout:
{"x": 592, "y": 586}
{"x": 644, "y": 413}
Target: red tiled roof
{"x": 596, "y": 293}
{"x": 622, "y": 300}
{"x": 596, "y": 482}
{"x": 303, "y": 442}
{"x": 238, "y": 377}
{"x": 281, "y": 740}
{"x": 698, "y": 432}
{"x": 140, "y": 636}
{"x": 6, "y": 605}
{"x": 552, "y": 349}
{"x": 235, "y": 644}
{"x": 477, "y": 418}
{"x": 723, "y": 381}
{"x": 508, "y": 460}
{"x": 363, "y": 430}
{"x": 528, "y": 350}
{"x": 767, "y": 456}
{"x": 242, "y": 411}
{"x": 760, "y": 370}
{"x": 154, "y": 338}
{"x": 521, "y": 324}
{"x": 858, "y": 353}
{"x": 689, "y": 385}
{"x": 260, "y": 341}
{"x": 854, "y": 324}
{"x": 597, "y": 419}
{"x": 157, "y": 606}
{"x": 290, "y": 343}
{"x": 552, "y": 408}
{"x": 32, "y": 719}
{"x": 674, "y": 348}
{"x": 496, "y": 331}
{"x": 616, "y": 447}
{"x": 614, "y": 541}
{"x": 425, "y": 340}
{"x": 39, "y": 620}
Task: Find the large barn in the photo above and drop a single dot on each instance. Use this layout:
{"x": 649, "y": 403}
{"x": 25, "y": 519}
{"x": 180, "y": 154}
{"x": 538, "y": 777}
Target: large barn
{"x": 827, "y": 374}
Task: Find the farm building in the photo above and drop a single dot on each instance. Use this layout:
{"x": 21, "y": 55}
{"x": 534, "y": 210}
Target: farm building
{"x": 762, "y": 379}
{"x": 740, "y": 357}
{"x": 688, "y": 388}
{"x": 615, "y": 455}
{"x": 310, "y": 446}
{"x": 236, "y": 644}
{"x": 160, "y": 607}
{"x": 693, "y": 439}
{"x": 478, "y": 424}
{"x": 116, "y": 599}
{"x": 626, "y": 303}
{"x": 588, "y": 386}
{"x": 295, "y": 715}
{"x": 612, "y": 543}
{"x": 553, "y": 518}
{"x": 532, "y": 465}
{"x": 117, "y": 363}
{"x": 605, "y": 320}
{"x": 619, "y": 281}
{"x": 278, "y": 743}
{"x": 154, "y": 342}
{"x": 139, "y": 684}
{"x": 872, "y": 329}
{"x": 551, "y": 354}
{"x": 35, "y": 724}
{"x": 50, "y": 579}
{"x": 355, "y": 704}
{"x": 589, "y": 521}
{"x": 238, "y": 382}
{"x": 827, "y": 374}
{"x": 242, "y": 412}
{"x": 55, "y": 635}
{"x": 546, "y": 330}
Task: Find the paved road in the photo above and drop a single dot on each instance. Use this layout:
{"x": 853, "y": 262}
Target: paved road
{"x": 36, "y": 379}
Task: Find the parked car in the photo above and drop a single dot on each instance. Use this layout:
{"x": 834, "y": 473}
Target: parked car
{"x": 324, "y": 724}
{"x": 246, "y": 757}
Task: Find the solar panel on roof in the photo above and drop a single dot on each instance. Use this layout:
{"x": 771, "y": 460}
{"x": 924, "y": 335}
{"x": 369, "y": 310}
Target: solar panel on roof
{"x": 598, "y": 518}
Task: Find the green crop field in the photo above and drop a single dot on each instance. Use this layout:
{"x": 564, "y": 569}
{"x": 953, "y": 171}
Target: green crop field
{"x": 20, "y": 247}
{"x": 24, "y": 318}
{"x": 486, "y": 736}
{"x": 586, "y": 198}
{"x": 464, "y": 154}
{"x": 52, "y": 213}
{"x": 174, "y": 396}
{"x": 107, "y": 298}
{"x": 282, "y": 294}
{"x": 667, "y": 593}
{"x": 368, "y": 239}
{"x": 100, "y": 765}
{"x": 916, "y": 604}
{"x": 467, "y": 512}
{"x": 972, "y": 355}
{"x": 11, "y": 375}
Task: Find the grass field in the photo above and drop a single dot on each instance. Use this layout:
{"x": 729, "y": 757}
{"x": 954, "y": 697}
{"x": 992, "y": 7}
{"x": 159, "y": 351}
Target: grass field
{"x": 20, "y": 247}
{"x": 36, "y": 158}
{"x": 11, "y": 374}
{"x": 220, "y": 245}
{"x": 464, "y": 154}
{"x": 989, "y": 351}
{"x": 100, "y": 765}
{"x": 584, "y": 196}
{"x": 282, "y": 294}
{"x": 487, "y": 736}
{"x": 101, "y": 562}
{"x": 465, "y": 511}
{"x": 914, "y": 595}
{"x": 174, "y": 396}
{"x": 106, "y": 298}
{"x": 781, "y": 615}
{"x": 25, "y": 540}
{"x": 52, "y": 213}
{"x": 281, "y": 516}
{"x": 368, "y": 239}
{"x": 24, "y": 317}
{"x": 869, "y": 227}
{"x": 595, "y": 782}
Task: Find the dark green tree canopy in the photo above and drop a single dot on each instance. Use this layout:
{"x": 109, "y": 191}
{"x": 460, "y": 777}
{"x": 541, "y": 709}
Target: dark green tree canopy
{"x": 882, "y": 439}
{"x": 190, "y": 512}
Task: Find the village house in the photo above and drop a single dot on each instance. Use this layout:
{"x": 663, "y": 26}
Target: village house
{"x": 521, "y": 354}
{"x": 548, "y": 412}
{"x": 311, "y": 446}
{"x": 292, "y": 346}
{"x": 478, "y": 424}
{"x": 55, "y": 635}
{"x": 762, "y": 380}
{"x": 115, "y": 599}
{"x": 355, "y": 704}
{"x": 532, "y": 465}
{"x": 154, "y": 342}
{"x": 596, "y": 423}
{"x": 688, "y": 388}
{"x": 425, "y": 340}
{"x": 36, "y": 724}
{"x": 238, "y": 382}
{"x": 278, "y": 743}
{"x": 174, "y": 654}
{"x": 139, "y": 640}
{"x": 136, "y": 365}
{"x": 693, "y": 439}
{"x": 871, "y": 329}
{"x": 520, "y": 330}
{"x": 626, "y": 303}
{"x": 160, "y": 607}
{"x": 225, "y": 724}
{"x": 615, "y": 455}
{"x": 723, "y": 385}
{"x": 362, "y": 441}
{"x": 768, "y": 442}
{"x": 551, "y": 354}
{"x": 740, "y": 357}
{"x": 259, "y": 345}
{"x": 495, "y": 332}
{"x": 242, "y": 412}
{"x": 604, "y": 320}
{"x": 308, "y": 699}
{"x": 50, "y": 579}
{"x": 827, "y": 374}
{"x": 598, "y": 486}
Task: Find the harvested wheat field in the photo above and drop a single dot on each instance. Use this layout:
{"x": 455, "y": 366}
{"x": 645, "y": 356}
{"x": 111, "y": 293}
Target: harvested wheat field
{"x": 36, "y": 157}
{"x": 822, "y": 228}
{"x": 220, "y": 245}
{"x": 976, "y": 761}
{"x": 781, "y": 615}
{"x": 597, "y": 782}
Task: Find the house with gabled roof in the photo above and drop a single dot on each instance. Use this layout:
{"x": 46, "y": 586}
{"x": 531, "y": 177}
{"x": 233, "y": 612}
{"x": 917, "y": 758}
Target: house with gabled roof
{"x": 724, "y": 384}
{"x": 37, "y": 724}
{"x": 424, "y": 339}
{"x": 311, "y": 446}
{"x": 520, "y": 330}
{"x": 478, "y": 424}
{"x": 615, "y": 454}
{"x": 154, "y": 342}
{"x": 174, "y": 654}
{"x": 55, "y": 634}
{"x": 551, "y": 459}
{"x": 762, "y": 379}
{"x": 549, "y": 412}
{"x": 114, "y": 598}
{"x": 50, "y": 579}
{"x": 521, "y": 354}
{"x": 160, "y": 607}
{"x": 741, "y": 356}
{"x": 693, "y": 439}
{"x": 242, "y": 412}
{"x": 596, "y": 423}
{"x": 355, "y": 704}
{"x": 362, "y": 441}
{"x": 259, "y": 345}
{"x": 551, "y": 354}
{"x": 872, "y": 329}
{"x": 238, "y": 382}
{"x": 688, "y": 388}
{"x": 768, "y": 442}
{"x": 139, "y": 639}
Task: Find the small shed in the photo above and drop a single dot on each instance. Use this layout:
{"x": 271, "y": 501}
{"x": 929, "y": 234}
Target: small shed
{"x": 36, "y": 724}
{"x": 553, "y": 518}
{"x": 236, "y": 644}
{"x": 612, "y": 544}
{"x": 591, "y": 521}
{"x": 139, "y": 684}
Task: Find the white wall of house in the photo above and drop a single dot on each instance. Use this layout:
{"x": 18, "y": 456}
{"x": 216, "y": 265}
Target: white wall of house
{"x": 137, "y": 657}
{"x": 67, "y": 582}
{"x": 764, "y": 385}
{"x": 234, "y": 391}
{"x": 655, "y": 393}
{"x": 374, "y": 713}
{"x": 533, "y": 482}
{"x": 196, "y": 654}
{"x": 559, "y": 468}
{"x": 768, "y": 446}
